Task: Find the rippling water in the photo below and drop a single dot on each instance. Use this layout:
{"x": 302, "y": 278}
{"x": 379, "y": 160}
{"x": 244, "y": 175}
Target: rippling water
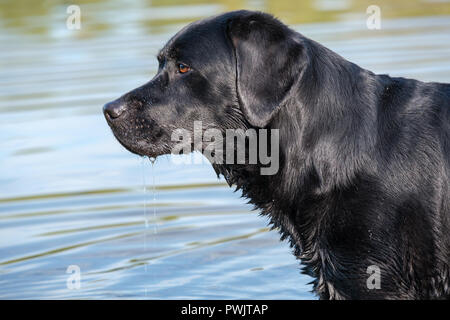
{"x": 71, "y": 195}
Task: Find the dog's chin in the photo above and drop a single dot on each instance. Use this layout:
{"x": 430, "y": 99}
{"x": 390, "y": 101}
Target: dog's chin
{"x": 140, "y": 147}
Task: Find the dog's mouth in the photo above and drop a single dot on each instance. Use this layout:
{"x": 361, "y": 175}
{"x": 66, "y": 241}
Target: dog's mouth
{"x": 133, "y": 137}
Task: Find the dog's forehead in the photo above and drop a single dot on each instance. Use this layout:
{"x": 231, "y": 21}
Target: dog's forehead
{"x": 199, "y": 36}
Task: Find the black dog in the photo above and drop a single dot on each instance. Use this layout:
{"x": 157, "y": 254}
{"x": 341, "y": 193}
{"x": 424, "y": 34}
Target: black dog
{"x": 363, "y": 184}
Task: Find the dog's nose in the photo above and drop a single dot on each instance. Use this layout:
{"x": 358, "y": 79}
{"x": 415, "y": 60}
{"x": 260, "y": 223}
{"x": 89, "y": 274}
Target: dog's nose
{"x": 114, "y": 109}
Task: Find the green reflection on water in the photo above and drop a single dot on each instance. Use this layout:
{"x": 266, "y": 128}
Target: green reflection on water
{"x": 39, "y": 17}
{"x": 67, "y": 248}
{"x": 111, "y": 191}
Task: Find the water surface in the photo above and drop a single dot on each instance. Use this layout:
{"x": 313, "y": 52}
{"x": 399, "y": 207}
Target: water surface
{"x": 71, "y": 195}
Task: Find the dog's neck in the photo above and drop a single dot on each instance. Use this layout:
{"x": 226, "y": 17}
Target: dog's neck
{"x": 284, "y": 210}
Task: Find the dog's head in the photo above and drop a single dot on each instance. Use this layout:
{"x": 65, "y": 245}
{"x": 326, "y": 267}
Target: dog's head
{"x": 230, "y": 71}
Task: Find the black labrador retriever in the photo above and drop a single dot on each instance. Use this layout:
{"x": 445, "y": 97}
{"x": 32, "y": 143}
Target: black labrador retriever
{"x": 362, "y": 191}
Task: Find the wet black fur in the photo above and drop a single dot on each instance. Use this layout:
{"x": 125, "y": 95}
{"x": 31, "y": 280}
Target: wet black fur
{"x": 364, "y": 167}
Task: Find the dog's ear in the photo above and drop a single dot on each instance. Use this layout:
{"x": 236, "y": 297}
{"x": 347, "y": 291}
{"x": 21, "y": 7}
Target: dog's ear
{"x": 268, "y": 62}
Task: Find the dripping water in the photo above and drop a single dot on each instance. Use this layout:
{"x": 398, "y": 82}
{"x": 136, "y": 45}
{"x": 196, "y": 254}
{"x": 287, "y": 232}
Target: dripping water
{"x": 152, "y": 161}
{"x": 144, "y": 183}
{"x": 145, "y": 189}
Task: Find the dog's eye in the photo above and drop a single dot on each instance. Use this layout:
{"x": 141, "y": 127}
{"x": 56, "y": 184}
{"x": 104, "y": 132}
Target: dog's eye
{"x": 182, "y": 68}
